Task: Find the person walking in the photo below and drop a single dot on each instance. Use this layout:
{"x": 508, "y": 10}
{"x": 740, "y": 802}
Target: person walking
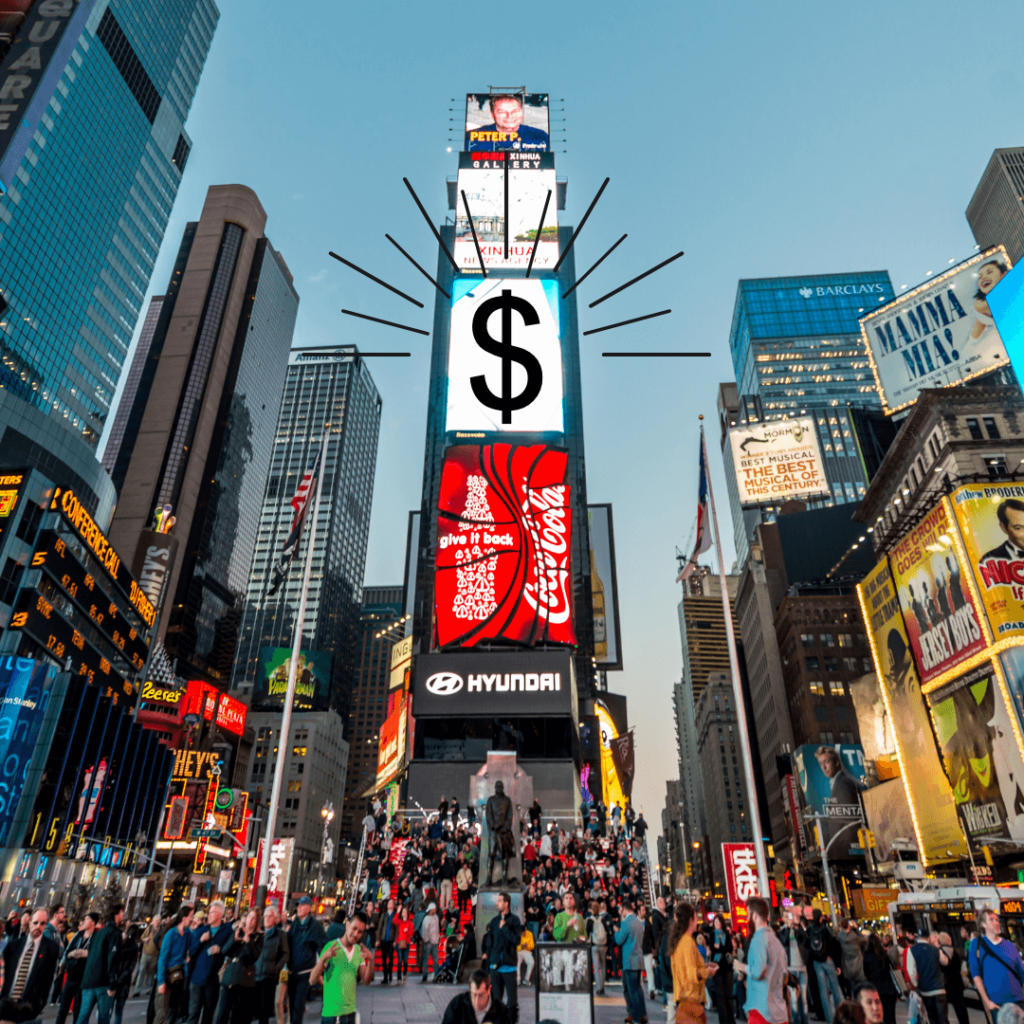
{"x": 73, "y": 966}
{"x": 98, "y": 978}
{"x": 242, "y": 951}
{"x": 630, "y": 937}
{"x": 124, "y": 968}
{"x": 689, "y": 971}
{"x": 790, "y": 936}
{"x": 430, "y": 936}
{"x": 924, "y": 971}
{"x": 994, "y": 964}
{"x": 820, "y": 946}
{"x": 170, "y": 968}
{"x": 464, "y": 885}
{"x": 765, "y": 968}
{"x": 343, "y": 964}
{"x": 446, "y": 874}
{"x": 403, "y": 938}
{"x": 878, "y": 971}
{"x": 29, "y": 966}
{"x": 386, "y": 931}
{"x": 500, "y": 949}
{"x": 306, "y": 938}
{"x": 721, "y": 983}
{"x": 853, "y": 954}
{"x": 952, "y": 974}
{"x": 150, "y": 952}
{"x": 272, "y": 960}
{"x": 659, "y": 923}
{"x": 206, "y": 954}
{"x": 598, "y": 936}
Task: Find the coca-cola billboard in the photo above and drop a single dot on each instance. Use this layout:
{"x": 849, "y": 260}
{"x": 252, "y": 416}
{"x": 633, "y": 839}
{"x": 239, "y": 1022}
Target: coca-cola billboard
{"x": 504, "y": 543}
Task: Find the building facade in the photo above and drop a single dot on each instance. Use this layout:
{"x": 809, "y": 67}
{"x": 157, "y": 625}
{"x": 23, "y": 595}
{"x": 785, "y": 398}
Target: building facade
{"x": 996, "y": 210}
{"x": 76, "y": 256}
{"x": 382, "y": 610}
{"x": 198, "y": 430}
{"x": 332, "y": 386}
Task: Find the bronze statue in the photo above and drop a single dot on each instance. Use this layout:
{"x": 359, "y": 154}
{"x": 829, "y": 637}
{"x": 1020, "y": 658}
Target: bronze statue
{"x": 499, "y": 827}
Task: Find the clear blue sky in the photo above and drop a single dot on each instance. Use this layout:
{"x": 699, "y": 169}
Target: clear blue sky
{"x": 763, "y": 139}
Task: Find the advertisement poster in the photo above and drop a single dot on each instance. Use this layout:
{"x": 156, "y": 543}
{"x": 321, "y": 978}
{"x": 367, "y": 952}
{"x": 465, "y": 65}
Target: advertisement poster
{"x": 527, "y": 198}
{"x": 832, "y": 778}
{"x": 611, "y": 785}
{"x": 741, "y": 881}
{"x": 777, "y": 461}
{"x": 937, "y": 334}
{"x": 943, "y": 625}
{"x": 25, "y": 686}
{"x": 991, "y": 521}
{"x": 312, "y": 679}
{"x": 505, "y": 357}
{"x": 401, "y": 663}
{"x": 888, "y": 816}
{"x": 604, "y": 588}
{"x": 510, "y": 120}
{"x": 391, "y": 746}
{"x": 11, "y": 486}
{"x": 915, "y": 742}
{"x": 504, "y": 543}
{"x": 981, "y": 757}
{"x": 564, "y": 983}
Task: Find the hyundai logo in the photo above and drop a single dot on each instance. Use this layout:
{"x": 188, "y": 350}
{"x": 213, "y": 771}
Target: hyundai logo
{"x": 444, "y": 684}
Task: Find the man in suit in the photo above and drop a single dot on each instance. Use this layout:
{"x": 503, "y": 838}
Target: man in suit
{"x": 630, "y": 937}
{"x": 30, "y": 962}
{"x": 1011, "y": 521}
{"x": 842, "y": 785}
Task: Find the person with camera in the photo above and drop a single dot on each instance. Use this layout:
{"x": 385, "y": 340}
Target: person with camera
{"x": 237, "y": 1002}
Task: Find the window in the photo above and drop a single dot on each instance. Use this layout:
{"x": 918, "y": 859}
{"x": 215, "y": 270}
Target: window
{"x": 813, "y": 664}
{"x": 996, "y": 467}
{"x": 29, "y": 525}
{"x": 990, "y": 427}
{"x": 975, "y": 429}
{"x": 826, "y": 639}
{"x": 10, "y": 578}
{"x": 831, "y": 664}
{"x": 298, "y": 751}
{"x": 295, "y": 786}
{"x": 836, "y": 686}
{"x": 866, "y": 664}
{"x": 817, "y": 687}
{"x": 850, "y": 664}
{"x": 845, "y": 640}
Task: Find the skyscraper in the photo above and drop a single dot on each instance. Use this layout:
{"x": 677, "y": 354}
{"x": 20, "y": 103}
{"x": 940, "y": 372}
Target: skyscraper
{"x": 796, "y": 348}
{"x": 86, "y": 210}
{"x": 322, "y": 385}
{"x": 196, "y": 426}
{"x": 996, "y": 210}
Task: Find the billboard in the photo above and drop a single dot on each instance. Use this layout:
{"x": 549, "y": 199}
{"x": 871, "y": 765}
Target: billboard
{"x": 832, "y": 777}
{"x": 991, "y": 521}
{"x": 777, "y": 461}
{"x": 11, "y": 487}
{"x": 604, "y": 588}
{"x": 1006, "y": 303}
{"x": 518, "y": 683}
{"x": 505, "y": 357}
{"x": 980, "y": 756}
{"x": 154, "y": 561}
{"x": 527, "y": 198}
{"x": 312, "y": 679}
{"x": 740, "y": 881}
{"x": 401, "y": 662}
{"x": 504, "y": 542}
{"x": 205, "y": 699}
{"x": 611, "y": 784}
{"x": 938, "y": 334}
{"x": 943, "y": 624}
{"x": 391, "y": 748}
{"x": 513, "y": 120}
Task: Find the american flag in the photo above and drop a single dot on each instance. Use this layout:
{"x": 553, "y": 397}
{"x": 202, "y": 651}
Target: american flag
{"x": 300, "y": 502}
{"x": 703, "y": 526}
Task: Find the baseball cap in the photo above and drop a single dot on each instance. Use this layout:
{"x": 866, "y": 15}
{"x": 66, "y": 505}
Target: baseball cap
{"x": 306, "y": 900}
{"x": 432, "y": 906}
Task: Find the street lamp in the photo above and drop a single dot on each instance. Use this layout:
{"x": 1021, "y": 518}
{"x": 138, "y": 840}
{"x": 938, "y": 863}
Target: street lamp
{"x": 327, "y": 813}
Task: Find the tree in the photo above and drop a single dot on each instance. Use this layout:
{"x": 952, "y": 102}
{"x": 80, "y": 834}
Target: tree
{"x": 112, "y": 896}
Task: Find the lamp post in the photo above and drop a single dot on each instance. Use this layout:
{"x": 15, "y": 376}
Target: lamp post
{"x": 327, "y": 813}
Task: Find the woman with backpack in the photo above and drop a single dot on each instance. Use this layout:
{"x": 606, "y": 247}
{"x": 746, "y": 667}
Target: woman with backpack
{"x": 598, "y": 936}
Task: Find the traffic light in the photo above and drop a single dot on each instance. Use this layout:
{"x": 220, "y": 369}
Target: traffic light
{"x": 862, "y": 838}
{"x": 872, "y": 841}
{"x": 987, "y": 851}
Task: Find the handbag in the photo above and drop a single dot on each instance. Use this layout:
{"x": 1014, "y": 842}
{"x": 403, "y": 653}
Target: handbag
{"x": 176, "y": 975}
{"x": 688, "y": 1012}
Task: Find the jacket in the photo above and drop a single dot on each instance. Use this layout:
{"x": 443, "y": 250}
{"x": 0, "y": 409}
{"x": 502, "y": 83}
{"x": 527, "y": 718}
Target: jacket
{"x": 127, "y": 958}
{"x": 689, "y": 972}
{"x": 203, "y": 964}
{"x": 101, "y": 966}
{"x": 404, "y": 931}
{"x": 430, "y": 929}
{"x": 630, "y": 937}
{"x": 173, "y": 953}
{"x": 924, "y": 969}
{"x": 40, "y": 977}
{"x": 460, "y": 1011}
{"x": 307, "y": 939}
{"x": 273, "y": 955}
{"x": 240, "y": 959}
{"x": 501, "y": 944}
{"x": 74, "y": 966}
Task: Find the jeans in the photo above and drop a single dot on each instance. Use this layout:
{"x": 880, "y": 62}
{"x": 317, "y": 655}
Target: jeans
{"x": 446, "y": 894}
{"x": 119, "y": 1000}
{"x": 649, "y": 971}
{"x": 598, "y": 955}
{"x": 798, "y": 1000}
{"x": 298, "y": 990}
{"x": 465, "y": 900}
{"x": 428, "y": 951}
{"x": 505, "y": 982}
{"x": 935, "y": 1007}
{"x": 721, "y": 992}
{"x": 147, "y": 972}
{"x": 525, "y": 957}
{"x": 635, "y": 1005}
{"x": 70, "y": 994}
{"x": 265, "y": 999}
{"x": 202, "y": 1001}
{"x": 387, "y": 958}
{"x": 828, "y": 986}
{"x": 403, "y": 962}
{"x": 94, "y": 997}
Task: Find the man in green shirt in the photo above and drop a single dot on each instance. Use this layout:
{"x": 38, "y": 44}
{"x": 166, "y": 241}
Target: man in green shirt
{"x": 343, "y": 963}
{"x": 569, "y": 924}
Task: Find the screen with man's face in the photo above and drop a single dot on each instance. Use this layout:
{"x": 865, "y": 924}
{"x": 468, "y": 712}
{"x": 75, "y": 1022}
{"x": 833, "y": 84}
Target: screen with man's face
{"x": 516, "y": 121}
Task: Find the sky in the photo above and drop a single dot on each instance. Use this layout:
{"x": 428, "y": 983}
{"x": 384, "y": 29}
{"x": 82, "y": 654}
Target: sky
{"x": 761, "y": 139}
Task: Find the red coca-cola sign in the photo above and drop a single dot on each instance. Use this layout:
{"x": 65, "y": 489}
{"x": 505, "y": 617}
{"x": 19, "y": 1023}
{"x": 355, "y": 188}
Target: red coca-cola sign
{"x": 503, "y": 569}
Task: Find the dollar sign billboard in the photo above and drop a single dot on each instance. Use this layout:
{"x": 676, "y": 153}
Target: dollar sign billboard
{"x": 506, "y": 402}
{"x": 505, "y": 357}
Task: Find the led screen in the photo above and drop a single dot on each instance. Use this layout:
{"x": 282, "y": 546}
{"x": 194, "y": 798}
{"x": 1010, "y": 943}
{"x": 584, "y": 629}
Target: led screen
{"x": 1006, "y": 303}
{"x": 507, "y": 121}
{"x": 527, "y": 194}
{"x": 504, "y": 539}
{"x": 504, "y": 357}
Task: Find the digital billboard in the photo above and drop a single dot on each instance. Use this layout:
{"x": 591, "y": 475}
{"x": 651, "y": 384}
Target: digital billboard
{"x": 312, "y": 679}
{"x": 991, "y": 521}
{"x": 391, "y": 746}
{"x": 508, "y": 120}
{"x": 943, "y": 625}
{"x": 11, "y": 487}
{"x": 611, "y": 784}
{"x": 741, "y": 880}
{"x": 938, "y": 829}
{"x": 832, "y": 777}
{"x": 938, "y": 334}
{"x": 505, "y": 357}
{"x": 1006, "y": 303}
{"x": 207, "y": 700}
{"x": 981, "y": 757}
{"x": 604, "y": 588}
{"x": 401, "y": 661}
{"x": 527, "y": 197}
{"x": 504, "y": 542}
{"x": 778, "y": 460}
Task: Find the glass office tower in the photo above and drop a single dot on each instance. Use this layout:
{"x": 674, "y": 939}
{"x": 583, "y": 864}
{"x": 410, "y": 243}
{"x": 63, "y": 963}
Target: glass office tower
{"x": 796, "y": 348}
{"x": 323, "y": 385}
{"x": 83, "y": 219}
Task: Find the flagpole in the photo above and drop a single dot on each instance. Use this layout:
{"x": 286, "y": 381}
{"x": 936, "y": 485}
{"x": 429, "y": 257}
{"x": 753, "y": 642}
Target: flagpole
{"x": 289, "y": 698}
{"x": 737, "y": 687}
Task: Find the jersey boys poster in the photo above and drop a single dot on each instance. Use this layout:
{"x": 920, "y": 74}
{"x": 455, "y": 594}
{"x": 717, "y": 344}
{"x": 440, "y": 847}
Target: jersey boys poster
{"x": 504, "y": 542}
{"x": 942, "y": 622}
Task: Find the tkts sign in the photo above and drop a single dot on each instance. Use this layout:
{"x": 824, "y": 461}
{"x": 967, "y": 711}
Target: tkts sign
{"x": 504, "y": 539}
{"x": 740, "y": 880}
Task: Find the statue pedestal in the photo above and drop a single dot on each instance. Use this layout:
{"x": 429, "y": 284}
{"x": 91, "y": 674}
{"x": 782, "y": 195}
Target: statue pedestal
{"x": 501, "y": 767}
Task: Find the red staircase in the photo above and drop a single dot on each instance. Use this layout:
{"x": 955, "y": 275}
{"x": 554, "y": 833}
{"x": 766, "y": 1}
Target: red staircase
{"x": 465, "y": 917}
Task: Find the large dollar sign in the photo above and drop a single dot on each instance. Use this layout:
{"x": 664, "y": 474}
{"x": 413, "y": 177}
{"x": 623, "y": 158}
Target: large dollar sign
{"x": 507, "y": 353}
